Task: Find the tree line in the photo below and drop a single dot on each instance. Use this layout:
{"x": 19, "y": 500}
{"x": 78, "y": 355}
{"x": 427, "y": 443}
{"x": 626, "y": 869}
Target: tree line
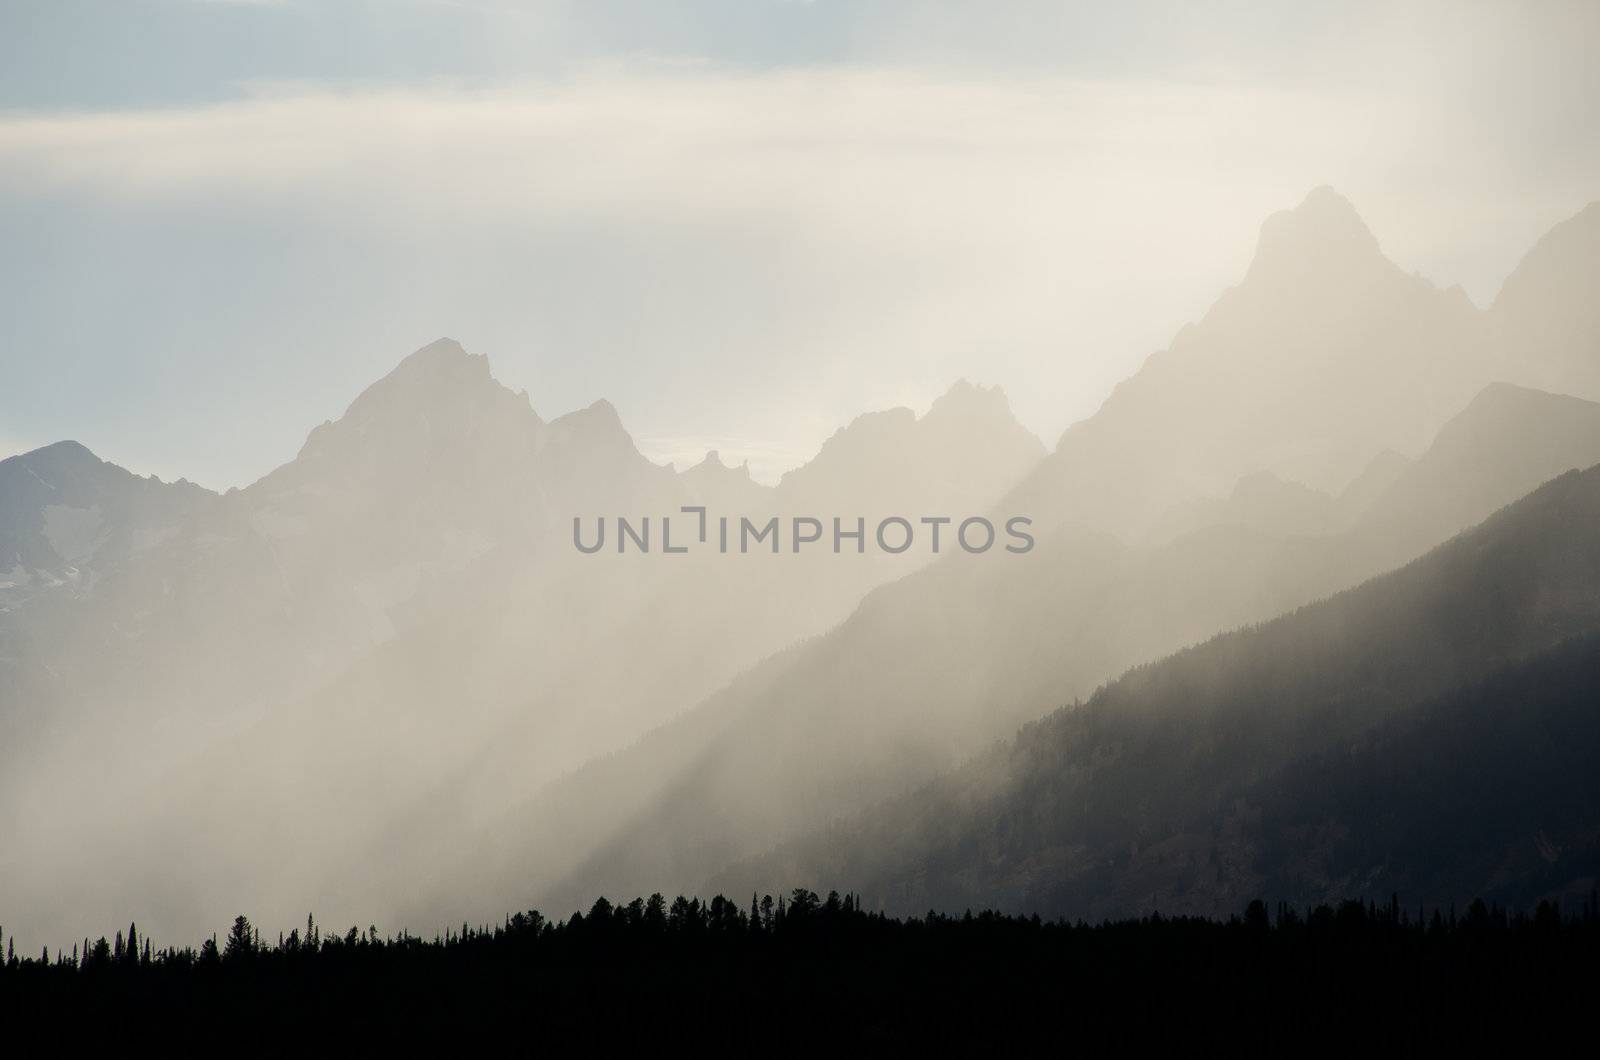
{"x": 820, "y": 970}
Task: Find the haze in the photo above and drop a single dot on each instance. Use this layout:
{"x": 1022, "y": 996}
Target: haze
{"x": 1280, "y": 331}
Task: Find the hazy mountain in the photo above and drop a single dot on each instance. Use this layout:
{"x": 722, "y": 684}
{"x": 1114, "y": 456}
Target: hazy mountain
{"x": 435, "y": 495}
{"x": 1380, "y": 473}
{"x": 1504, "y": 441}
{"x": 69, "y": 523}
{"x": 1348, "y": 747}
{"x": 1261, "y": 502}
{"x": 400, "y": 613}
{"x": 441, "y": 496}
{"x": 930, "y": 668}
{"x": 432, "y": 470}
{"x": 955, "y": 460}
{"x": 63, "y": 508}
{"x": 1546, "y": 317}
{"x": 724, "y": 489}
{"x": 1323, "y": 355}
{"x": 396, "y": 623}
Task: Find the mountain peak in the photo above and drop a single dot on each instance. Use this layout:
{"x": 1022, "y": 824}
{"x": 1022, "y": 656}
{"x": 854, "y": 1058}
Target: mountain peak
{"x": 66, "y": 450}
{"x": 605, "y": 412}
{"x": 969, "y": 398}
{"x": 441, "y": 371}
{"x": 58, "y": 458}
{"x": 436, "y": 393}
{"x": 596, "y": 424}
{"x": 1323, "y": 235}
{"x": 713, "y": 464}
{"x": 443, "y": 357}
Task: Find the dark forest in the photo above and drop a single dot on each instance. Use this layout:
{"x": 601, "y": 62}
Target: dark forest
{"x": 810, "y": 972}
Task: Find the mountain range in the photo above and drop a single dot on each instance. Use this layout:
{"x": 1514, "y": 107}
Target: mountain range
{"x": 931, "y": 668}
{"x": 380, "y": 681}
{"x": 416, "y": 552}
{"x": 889, "y": 697}
{"x": 1431, "y": 732}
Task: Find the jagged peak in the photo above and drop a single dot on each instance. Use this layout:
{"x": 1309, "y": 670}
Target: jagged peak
{"x": 438, "y": 370}
{"x": 964, "y": 396}
{"x": 597, "y": 413}
{"x": 593, "y": 423}
{"x": 713, "y": 464}
{"x": 439, "y": 378}
{"x": 72, "y": 458}
{"x": 443, "y": 357}
{"x": 1324, "y": 233}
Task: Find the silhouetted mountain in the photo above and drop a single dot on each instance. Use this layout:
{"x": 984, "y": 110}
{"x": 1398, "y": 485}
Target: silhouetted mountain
{"x": 1395, "y": 735}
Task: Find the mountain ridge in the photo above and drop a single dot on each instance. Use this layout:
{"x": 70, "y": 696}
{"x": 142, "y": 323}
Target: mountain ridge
{"x": 834, "y": 719}
{"x": 1154, "y": 756}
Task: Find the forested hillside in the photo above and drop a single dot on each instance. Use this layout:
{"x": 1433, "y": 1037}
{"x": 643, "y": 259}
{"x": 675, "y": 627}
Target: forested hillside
{"x": 1342, "y": 749}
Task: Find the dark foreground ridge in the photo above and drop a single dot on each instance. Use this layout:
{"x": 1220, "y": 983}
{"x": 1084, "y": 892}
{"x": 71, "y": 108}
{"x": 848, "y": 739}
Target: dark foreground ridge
{"x": 824, "y": 973}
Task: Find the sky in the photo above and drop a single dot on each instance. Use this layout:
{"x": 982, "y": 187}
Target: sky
{"x": 743, "y": 222}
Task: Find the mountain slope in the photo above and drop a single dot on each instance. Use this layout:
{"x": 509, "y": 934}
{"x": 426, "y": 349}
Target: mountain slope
{"x": 1159, "y": 791}
{"x": 957, "y": 459}
{"x": 1323, "y": 355}
{"x": 1546, "y": 316}
{"x": 61, "y": 506}
{"x": 1488, "y": 455}
{"x": 71, "y": 525}
{"x": 929, "y": 668}
{"x": 396, "y": 624}
{"x": 932, "y": 667}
